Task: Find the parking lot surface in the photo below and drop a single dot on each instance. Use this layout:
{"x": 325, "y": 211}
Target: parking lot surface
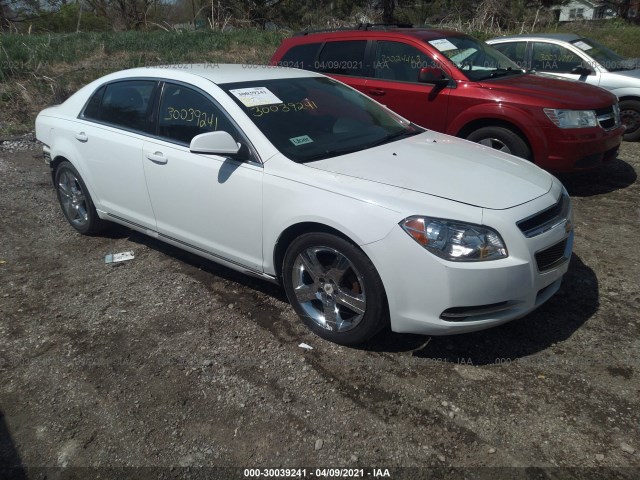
{"x": 168, "y": 360}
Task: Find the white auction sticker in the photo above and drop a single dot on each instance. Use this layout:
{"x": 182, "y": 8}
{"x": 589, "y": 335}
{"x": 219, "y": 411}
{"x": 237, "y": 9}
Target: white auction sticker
{"x": 255, "y": 96}
{"x": 443, "y": 44}
{"x": 583, "y": 46}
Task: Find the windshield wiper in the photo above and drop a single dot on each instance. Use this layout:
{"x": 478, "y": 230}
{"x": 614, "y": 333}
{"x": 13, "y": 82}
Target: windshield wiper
{"x": 393, "y": 137}
{"x": 331, "y": 153}
{"x": 344, "y": 151}
{"x": 501, "y": 72}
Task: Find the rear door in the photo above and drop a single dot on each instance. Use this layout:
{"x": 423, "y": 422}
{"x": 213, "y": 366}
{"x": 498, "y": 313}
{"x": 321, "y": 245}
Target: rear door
{"x": 109, "y": 135}
{"x": 345, "y": 61}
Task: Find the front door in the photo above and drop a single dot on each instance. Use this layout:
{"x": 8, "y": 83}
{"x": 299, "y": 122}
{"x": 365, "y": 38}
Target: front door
{"x": 207, "y": 202}
{"x": 395, "y": 84}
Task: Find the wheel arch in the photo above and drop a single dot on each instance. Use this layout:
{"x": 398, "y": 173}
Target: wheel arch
{"x": 473, "y": 125}
{"x": 622, "y": 98}
{"x": 292, "y": 232}
{"x": 53, "y": 165}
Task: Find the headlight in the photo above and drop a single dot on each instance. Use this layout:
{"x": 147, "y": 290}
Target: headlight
{"x": 572, "y": 118}
{"x": 456, "y": 241}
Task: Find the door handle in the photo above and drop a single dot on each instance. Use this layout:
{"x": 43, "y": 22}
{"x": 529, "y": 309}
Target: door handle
{"x": 376, "y": 91}
{"x": 157, "y": 157}
{"x": 82, "y": 137}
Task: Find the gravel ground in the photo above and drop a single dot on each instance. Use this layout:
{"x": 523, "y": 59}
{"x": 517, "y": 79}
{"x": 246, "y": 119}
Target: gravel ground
{"x": 171, "y": 361}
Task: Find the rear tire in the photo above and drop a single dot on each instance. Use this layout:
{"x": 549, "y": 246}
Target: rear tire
{"x": 335, "y": 288}
{"x": 630, "y": 116}
{"x": 502, "y": 139}
{"x": 75, "y": 201}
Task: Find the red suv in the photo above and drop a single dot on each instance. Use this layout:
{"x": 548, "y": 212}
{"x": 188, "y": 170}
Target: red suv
{"x": 456, "y": 84}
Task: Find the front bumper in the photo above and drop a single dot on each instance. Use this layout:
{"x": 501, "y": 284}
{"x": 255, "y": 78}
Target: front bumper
{"x": 431, "y": 296}
{"x": 580, "y": 149}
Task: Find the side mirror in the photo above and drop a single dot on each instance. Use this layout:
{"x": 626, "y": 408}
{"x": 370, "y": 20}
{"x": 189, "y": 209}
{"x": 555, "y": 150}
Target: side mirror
{"x": 581, "y": 70}
{"x": 219, "y": 143}
{"x": 433, "y": 75}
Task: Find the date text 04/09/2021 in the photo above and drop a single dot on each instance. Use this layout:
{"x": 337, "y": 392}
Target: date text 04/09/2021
{"x": 317, "y": 472}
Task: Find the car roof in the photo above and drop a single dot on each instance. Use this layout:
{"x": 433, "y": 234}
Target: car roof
{"x": 215, "y": 72}
{"x": 421, "y": 33}
{"x": 565, "y": 37}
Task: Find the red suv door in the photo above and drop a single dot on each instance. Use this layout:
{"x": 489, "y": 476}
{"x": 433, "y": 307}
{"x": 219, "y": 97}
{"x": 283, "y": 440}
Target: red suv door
{"x": 396, "y": 67}
{"x": 386, "y": 70}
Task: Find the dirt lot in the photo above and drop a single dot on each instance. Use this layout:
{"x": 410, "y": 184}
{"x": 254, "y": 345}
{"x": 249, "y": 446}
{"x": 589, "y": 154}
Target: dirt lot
{"x": 172, "y": 361}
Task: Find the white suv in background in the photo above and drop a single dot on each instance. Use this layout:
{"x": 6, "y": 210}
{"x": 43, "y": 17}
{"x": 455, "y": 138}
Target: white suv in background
{"x": 571, "y": 56}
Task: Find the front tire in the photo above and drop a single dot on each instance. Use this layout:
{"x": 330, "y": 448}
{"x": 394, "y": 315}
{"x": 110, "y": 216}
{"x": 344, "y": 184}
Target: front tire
{"x": 502, "y": 139}
{"x": 335, "y": 289}
{"x": 630, "y": 115}
{"x": 75, "y": 201}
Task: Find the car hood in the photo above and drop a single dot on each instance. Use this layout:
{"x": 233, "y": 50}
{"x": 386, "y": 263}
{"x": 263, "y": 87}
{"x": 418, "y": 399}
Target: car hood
{"x": 554, "y": 90}
{"x": 446, "y": 167}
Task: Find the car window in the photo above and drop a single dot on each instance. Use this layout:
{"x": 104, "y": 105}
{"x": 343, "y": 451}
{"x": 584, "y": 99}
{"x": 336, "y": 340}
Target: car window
{"x": 312, "y": 118}
{"x": 516, "y": 51}
{"x": 342, "y": 58}
{"x": 399, "y": 61}
{"x": 603, "y": 55}
{"x": 124, "y": 104}
{"x": 477, "y": 60}
{"x": 185, "y": 113}
{"x": 300, "y": 56}
{"x": 548, "y": 57}
{"x": 92, "y": 110}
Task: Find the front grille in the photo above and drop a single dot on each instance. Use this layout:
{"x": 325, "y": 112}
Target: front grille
{"x": 606, "y": 118}
{"x": 552, "y": 256}
{"x": 546, "y": 219}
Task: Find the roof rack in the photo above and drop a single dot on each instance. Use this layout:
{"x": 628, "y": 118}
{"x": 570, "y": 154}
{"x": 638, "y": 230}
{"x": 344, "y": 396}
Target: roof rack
{"x": 383, "y": 26}
{"x": 360, "y": 26}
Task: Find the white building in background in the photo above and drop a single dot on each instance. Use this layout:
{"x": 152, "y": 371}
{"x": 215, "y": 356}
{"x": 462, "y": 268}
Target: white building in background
{"x": 583, "y": 10}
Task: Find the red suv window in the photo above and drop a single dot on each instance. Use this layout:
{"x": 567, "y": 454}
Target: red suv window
{"x": 342, "y": 58}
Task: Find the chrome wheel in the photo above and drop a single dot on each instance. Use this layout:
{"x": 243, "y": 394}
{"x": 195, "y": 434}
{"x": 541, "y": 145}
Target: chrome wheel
{"x": 73, "y": 199}
{"x": 329, "y": 288}
{"x": 495, "y": 144}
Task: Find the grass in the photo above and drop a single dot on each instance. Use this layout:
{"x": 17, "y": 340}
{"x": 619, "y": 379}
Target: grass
{"x": 41, "y": 70}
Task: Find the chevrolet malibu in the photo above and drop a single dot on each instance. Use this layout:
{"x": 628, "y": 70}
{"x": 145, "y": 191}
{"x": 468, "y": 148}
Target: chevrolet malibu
{"x": 366, "y": 219}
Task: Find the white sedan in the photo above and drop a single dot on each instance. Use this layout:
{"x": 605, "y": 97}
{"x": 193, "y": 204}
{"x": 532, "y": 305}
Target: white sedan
{"x": 366, "y": 219}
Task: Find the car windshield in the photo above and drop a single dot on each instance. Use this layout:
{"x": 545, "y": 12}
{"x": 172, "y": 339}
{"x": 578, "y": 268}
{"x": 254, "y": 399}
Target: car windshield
{"x": 477, "y": 60}
{"x": 312, "y": 118}
{"x": 603, "y": 55}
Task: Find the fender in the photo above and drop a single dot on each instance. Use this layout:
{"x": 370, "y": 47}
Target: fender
{"x": 627, "y": 93}
{"x": 362, "y": 222}
{"x": 486, "y": 112}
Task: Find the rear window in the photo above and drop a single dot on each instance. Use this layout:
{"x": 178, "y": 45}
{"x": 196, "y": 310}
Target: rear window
{"x": 124, "y": 104}
{"x": 300, "y": 56}
{"x": 342, "y": 58}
